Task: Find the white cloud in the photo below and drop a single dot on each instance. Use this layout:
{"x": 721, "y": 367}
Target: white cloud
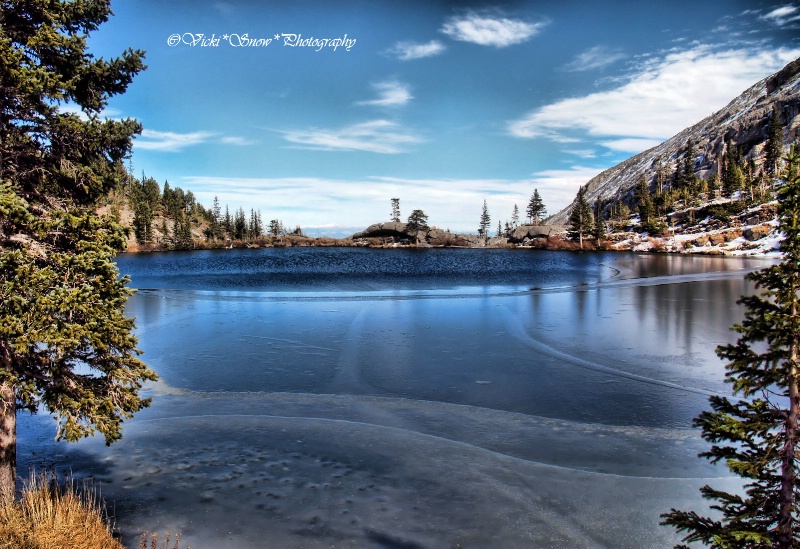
{"x": 169, "y": 141}
{"x": 667, "y": 95}
{"x": 631, "y": 144}
{"x": 583, "y": 153}
{"x": 378, "y": 136}
{"x": 406, "y": 51}
{"x": 236, "y": 140}
{"x": 558, "y": 187}
{"x": 597, "y": 57}
{"x": 490, "y": 30}
{"x": 390, "y": 94}
{"x": 449, "y": 203}
{"x": 783, "y": 16}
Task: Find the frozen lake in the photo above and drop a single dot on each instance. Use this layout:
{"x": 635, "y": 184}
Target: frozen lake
{"x": 414, "y": 398}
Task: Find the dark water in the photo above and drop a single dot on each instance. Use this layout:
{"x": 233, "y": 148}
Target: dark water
{"x": 361, "y": 269}
{"x": 318, "y": 397}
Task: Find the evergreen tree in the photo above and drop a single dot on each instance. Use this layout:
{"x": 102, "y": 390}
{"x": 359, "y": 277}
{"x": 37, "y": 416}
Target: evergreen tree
{"x": 216, "y": 220}
{"x": 645, "y": 205}
{"x": 515, "y": 218}
{"x": 580, "y": 220}
{"x": 276, "y": 227}
{"x": 143, "y": 223}
{"x": 732, "y": 175}
{"x": 599, "y": 231}
{"x": 684, "y": 176}
{"x": 620, "y": 213}
{"x": 483, "y": 227}
{"x": 150, "y": 193}
{"x": 396, "y": 210}
{"x": 227, "y": 223}
{"x": 774, "y": 147}
{"x": 239, "y": 225}
{"x": 757, "y": 435}
{"x": 166, "y": 199}
{"x": 417, "y": 222}
{"x": 65, "y": 343}
{"x": 254, "y": 229}
{"x": 536, "y": 210}
{"x": 500, "y": 228}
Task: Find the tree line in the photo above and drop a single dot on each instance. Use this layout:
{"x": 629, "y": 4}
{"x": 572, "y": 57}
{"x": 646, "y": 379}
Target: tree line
{"x": 180, "y": 212}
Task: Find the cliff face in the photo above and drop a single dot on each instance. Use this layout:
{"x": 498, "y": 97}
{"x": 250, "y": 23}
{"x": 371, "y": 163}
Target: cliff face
{"x": 743, "y": 122}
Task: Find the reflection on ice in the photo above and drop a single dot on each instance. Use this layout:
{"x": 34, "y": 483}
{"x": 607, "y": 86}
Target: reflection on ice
{"x": 345, "y": 471}
{"x": 360, "y": 414}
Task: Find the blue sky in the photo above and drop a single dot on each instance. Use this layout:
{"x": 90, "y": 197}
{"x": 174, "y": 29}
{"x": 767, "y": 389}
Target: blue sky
{"x": 318, "y": 113}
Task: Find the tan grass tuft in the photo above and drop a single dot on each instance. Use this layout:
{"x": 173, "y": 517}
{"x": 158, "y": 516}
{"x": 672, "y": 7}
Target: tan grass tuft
{"x": 54, "y": 516}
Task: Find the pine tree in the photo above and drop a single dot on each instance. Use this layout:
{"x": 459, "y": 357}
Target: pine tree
{"x": 143, "y": 223}
{"x": 65, "y": 343}
{"x": 396, "y": 210}
{"x": 580, "y": 220}
{"x": 599, "y": 230}
{"x": 227, "y": 223}
{"x": 536, "y": 210}
{"x": 685, "y": 172}
{"x": 216, "y": 219}
{"x": 483, "y": 227}
{"x": 276, "y": 227}
{"x": 774, "y": 147}
{"x": 732, "y": 175}
{"x": 645, "y": 205}
{"x": 254, "y": 229}
{"x": 239, "y": 225}
{"x": 515, "y": 218}
{"x": 757, "y": 435}
{"x": 417, "y": 223}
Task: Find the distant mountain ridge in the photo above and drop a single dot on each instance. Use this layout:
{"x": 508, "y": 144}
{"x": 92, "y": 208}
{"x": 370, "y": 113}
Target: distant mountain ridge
{"x": 743, "y": 122}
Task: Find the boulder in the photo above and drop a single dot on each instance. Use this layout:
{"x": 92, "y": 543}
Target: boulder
{"x": 758, "y": 232}
{"x": 525, "y": 233}
{"x": 717, "y": 239}
{"x": 380, "y": 230}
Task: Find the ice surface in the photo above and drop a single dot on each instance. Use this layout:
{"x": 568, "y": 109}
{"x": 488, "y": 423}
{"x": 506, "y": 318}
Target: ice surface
{"x": 543, "y": 418}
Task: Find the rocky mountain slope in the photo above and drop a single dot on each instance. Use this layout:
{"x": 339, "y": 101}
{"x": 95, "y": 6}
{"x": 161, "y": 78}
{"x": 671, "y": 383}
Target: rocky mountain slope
{"x": 742, "y": 122}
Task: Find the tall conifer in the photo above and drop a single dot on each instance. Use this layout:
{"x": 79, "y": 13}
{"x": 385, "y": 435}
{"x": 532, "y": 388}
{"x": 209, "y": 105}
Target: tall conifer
{"x": 580, "y": 219}
{"x": 756, "y": 434}
{"x": 65, "y": 343}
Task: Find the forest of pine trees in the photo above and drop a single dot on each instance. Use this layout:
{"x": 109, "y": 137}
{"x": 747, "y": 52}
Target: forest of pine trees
{"x": 183, "y": 222}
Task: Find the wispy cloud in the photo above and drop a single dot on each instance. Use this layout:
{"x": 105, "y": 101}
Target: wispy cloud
{"x": 630, "y": 144}
{"x": 236, "y": 140}
{"x": 490, "y": 30}
{"x": 594, "y": 58}
{"x": 390, "y": 94}
{"x": 785, "y": 15}
{"x": 583, "y": 153}
{"x": 558, "y": 187}
{"x": 378, "y": 136}
{"x": 153, "y": 140}
{"x": 406, "y": 51}
{"x": 666, "y": 95}
{"x": 357, "y": 203}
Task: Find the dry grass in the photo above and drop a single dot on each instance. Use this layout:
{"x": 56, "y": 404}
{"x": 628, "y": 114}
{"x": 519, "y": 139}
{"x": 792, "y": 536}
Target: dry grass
{"x": 54, "y": 516}
{"x": 150, "y": 541}
{"x": 51, "y": 515}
